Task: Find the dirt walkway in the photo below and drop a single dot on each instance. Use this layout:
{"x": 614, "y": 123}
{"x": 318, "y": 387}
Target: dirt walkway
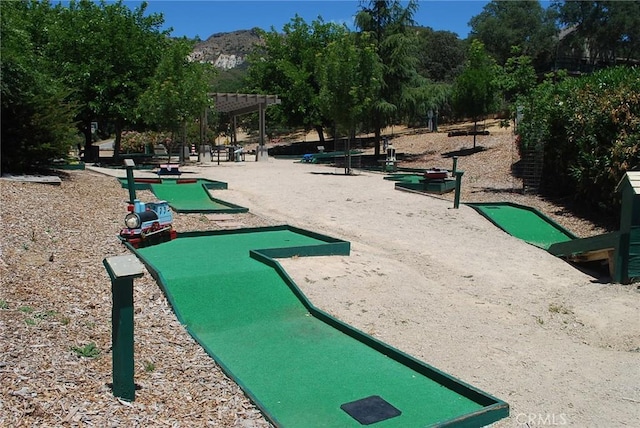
{"x": 449, "y": 288}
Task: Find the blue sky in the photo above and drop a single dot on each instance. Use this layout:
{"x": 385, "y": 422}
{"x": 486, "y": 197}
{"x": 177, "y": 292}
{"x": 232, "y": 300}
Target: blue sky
{"x": 206, "y": 17}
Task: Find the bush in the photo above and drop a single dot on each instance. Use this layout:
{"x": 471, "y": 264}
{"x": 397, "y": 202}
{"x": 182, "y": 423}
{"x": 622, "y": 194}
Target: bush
{"x": 135, "y": 142}
{"x": 589, "y": 129}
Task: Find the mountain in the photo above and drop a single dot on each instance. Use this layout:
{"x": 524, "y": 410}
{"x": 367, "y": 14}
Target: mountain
{"x": 226, "y": 50}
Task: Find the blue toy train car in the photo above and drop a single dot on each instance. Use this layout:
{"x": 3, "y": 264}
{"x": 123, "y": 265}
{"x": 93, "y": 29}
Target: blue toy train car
{"x": 148, "y": 224}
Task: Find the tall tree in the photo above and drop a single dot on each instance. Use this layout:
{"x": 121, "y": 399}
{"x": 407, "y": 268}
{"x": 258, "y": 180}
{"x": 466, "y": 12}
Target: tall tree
{"x": 285, "y": 66}
{"x": 517, "y": 77}
{"x": 349, "y": 73}
{"x": 441, "y": 54}
{"x": 475, "y": 89}
{"x": 178, "y": 91}
{"x": 391, "y": 26}
{"x": 609, "y": 30}
{"x": 504, "y": 24}
{"x": 106, "y": 53}
{"x": 37, "y": 120}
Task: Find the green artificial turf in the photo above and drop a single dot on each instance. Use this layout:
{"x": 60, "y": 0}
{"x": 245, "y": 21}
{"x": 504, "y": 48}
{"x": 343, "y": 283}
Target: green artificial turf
{"x": 406, "y": 178}
{"x": 296, "y": 367}
{"x": 524, "y": 223}
{"x": 191, "y": 197}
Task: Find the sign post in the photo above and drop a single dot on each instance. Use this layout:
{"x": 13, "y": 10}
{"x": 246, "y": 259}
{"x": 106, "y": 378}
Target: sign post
{"x": 122, "y": 271}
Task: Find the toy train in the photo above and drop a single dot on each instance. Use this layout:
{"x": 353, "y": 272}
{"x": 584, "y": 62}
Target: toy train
{"x": 148, "y": 224}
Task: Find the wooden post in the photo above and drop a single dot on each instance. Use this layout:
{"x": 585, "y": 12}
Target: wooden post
{"x": 131, "y": 183}
{"x": 456, "y": 198}
{"x": 122, "y": 271}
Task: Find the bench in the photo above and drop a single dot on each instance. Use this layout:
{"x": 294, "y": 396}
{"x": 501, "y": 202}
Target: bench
{"x": 169, "y": 169}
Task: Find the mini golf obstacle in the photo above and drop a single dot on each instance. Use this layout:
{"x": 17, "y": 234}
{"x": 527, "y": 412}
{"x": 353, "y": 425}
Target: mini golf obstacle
{"x": 187, "y": 195}
{"x": 620, "y": 249}
{"x": 524, "y": 222}
{"x": 432, "y": 180}
{"x": 301, "y": 366}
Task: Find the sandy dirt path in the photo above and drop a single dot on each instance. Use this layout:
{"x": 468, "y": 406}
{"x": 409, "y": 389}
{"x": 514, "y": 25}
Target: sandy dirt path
{"x": 449, "y": 288}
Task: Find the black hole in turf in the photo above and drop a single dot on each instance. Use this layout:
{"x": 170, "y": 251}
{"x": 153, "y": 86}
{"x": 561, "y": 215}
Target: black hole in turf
{"x": 370, "y": 410}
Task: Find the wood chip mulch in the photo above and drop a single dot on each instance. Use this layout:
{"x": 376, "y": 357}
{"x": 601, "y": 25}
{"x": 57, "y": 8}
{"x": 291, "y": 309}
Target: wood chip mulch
{"x": 55, "y": 319}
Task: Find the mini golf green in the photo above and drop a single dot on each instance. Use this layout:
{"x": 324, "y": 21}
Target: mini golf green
{"x": 298, "y": 364}
{"x": 416, "y": 182}
{"x": 405, "y": 178}
{"x": 524, "y": 222}
{"x": 188, "y": 195}
{"x": 192, "y": 197}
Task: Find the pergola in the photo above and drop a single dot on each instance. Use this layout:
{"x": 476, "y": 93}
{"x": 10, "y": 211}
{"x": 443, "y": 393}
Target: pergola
{"x": 238, "y": 104}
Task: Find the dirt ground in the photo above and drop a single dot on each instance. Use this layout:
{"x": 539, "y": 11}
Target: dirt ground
{"x": 559, "y": 344}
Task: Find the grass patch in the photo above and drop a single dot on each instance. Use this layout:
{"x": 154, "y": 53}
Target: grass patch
{"x": 90, "y": 350}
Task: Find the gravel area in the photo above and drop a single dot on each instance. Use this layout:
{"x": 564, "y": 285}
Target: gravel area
{"x": 55, "y": 302}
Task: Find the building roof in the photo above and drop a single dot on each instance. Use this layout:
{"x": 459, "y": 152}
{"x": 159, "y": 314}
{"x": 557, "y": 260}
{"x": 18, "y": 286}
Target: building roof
{"x": 633, "y": 178}
{"x": 237, "y": 104}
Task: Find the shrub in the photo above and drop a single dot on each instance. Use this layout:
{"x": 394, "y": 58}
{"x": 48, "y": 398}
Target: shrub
{"x": 135, "y": 142}
{"x": 589, "y": 129}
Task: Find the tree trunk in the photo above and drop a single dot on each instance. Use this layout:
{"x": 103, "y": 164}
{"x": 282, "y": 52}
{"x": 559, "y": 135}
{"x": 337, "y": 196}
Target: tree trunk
{"x": 320, "y": 131}
{"x": 118, "y": 141}
{"x": 377, "y": 141}
{"x": 88, "y": 143}
{"x": 183, "y": 144}
{"x": 475, "y": 132}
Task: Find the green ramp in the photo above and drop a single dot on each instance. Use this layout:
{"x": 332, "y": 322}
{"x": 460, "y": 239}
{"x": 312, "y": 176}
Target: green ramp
{"x": 524, "y": 222}
{"x": 405, "y": 178}
{"x": 192, "y": 198}
{"x": 187, "y": 195}
{"x": 301, "y": 366}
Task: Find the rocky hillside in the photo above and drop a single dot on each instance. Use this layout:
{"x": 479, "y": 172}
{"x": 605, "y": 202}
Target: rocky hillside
{"x": 226, "y": 50}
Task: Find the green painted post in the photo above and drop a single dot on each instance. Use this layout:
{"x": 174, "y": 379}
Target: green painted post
{"x": 455, "y": 164}
{"x": 456, "y": 198}
{"x": 122, "y": 271}
{"x": 131, "y": 183}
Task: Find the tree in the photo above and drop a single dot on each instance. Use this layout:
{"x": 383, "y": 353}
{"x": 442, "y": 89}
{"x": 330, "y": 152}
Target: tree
{"x": 391, "y": 28}
{"x": 37, "y": 121}
{"x": 178, "y": 91}
{"x": 608, "y": 30}
{"x": 441, "y": 54}
{"x": 515, "y": 80}
{"x": 504, "y": 24}
{"x": 475, "y": 89}
{"x": 286, "y": 66}
{"x": 106, "y": 54}
{"x": 349, "y": 74}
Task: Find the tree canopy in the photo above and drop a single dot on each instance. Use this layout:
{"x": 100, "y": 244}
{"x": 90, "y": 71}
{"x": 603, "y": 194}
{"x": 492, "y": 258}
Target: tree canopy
{"x": 105, "y": 53}
{"x": 441, "y": 54}
{"x": 475, "y": 89}
{"x": 391, "y": 27}
{"x": 349, "y": 74}
{"x": 610, "y": 30}
{"x": 525, "y": 24}
{"x": 286, "y": 65}
{"x": 37, "y": 118}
